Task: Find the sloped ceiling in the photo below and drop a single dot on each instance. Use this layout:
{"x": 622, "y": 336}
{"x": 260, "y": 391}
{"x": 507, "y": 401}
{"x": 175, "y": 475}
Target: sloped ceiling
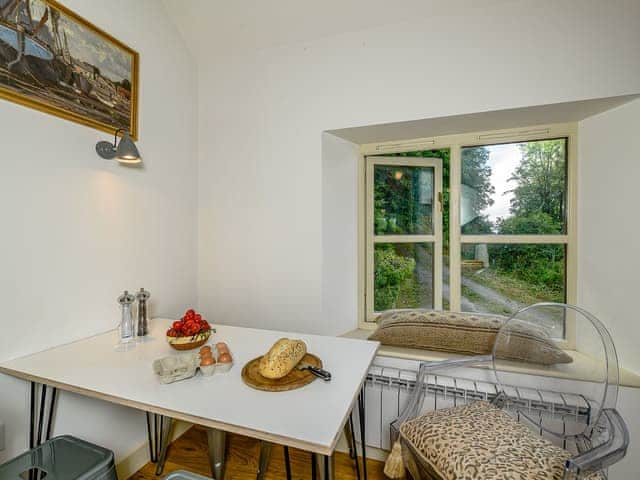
{"x": 224, "y": 25}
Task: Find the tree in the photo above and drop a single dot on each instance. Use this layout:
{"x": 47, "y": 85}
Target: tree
{"x": 541, "y": 180}
{"x": 476, "y": 173}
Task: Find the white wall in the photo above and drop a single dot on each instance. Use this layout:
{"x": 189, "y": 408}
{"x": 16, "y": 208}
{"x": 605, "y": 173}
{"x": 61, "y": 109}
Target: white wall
{"x": 267, "y": 253}
{"x": 77, "y": 230}
{"x": 608, "y": 229}
{"x": 339, "y": 234}
{"x": 262, "y": 112}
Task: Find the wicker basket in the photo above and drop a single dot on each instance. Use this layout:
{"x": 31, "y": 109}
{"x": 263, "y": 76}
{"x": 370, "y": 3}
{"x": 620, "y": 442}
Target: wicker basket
{"x": 189, "y": 343}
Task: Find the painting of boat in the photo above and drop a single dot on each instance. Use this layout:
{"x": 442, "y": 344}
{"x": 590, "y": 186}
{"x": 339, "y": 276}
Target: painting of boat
{"x": 55, "y": 61}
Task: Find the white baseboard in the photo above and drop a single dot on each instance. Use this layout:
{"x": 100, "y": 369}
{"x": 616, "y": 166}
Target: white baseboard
{"x": 139, "y": 457}
{"x": 372, "y": 452}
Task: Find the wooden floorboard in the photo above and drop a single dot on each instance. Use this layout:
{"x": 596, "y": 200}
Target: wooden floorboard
{"x": 189, "y": 452}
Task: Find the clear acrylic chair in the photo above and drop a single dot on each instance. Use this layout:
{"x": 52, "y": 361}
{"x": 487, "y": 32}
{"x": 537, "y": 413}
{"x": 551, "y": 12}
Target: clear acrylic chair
{"x": 572, "y": 440}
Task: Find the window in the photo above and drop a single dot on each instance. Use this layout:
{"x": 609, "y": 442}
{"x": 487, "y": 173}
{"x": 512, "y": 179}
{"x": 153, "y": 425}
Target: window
{"x": 481, "y": 222}
{"x": 512, "y": 201}
{"x": 404, "y": 225}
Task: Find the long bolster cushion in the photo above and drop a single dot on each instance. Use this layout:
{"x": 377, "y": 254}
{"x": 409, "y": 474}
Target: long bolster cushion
{"x": 468, "y": 334}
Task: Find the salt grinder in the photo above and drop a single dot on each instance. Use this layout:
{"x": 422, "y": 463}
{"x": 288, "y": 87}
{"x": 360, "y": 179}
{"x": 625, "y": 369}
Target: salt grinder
{"x": 143, "y": 321}
{"x": 127, "y": 329}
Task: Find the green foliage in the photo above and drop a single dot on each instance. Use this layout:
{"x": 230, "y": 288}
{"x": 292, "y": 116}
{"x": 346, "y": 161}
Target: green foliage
{"x": 391, "y": 270}
{"x": 541, "y": 180}
{"x": 445, "y": 155}
{"x": 538, "y": 223}
{"x": 476, "y": 173}
{"x": 537, "y": 207}
{"x": 395, "y": 201}
{"x": 478, "y": 226}
{"x": 541, "y": 266}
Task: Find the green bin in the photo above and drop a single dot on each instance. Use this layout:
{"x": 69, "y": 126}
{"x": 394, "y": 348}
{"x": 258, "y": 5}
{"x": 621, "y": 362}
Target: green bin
{"x": 183, "y": 475}
{"x": 62, "y": 458}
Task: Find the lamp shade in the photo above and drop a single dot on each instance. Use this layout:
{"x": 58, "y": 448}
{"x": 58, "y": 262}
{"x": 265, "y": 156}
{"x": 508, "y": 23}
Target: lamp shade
{"x": 127, "y": 152}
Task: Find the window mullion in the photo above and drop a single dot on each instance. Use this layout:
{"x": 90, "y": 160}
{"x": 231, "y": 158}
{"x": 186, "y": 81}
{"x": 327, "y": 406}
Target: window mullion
{"x": 455, "y": 272}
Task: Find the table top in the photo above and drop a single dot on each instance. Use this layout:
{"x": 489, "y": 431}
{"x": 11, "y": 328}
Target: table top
{"x": 310, "y": 418}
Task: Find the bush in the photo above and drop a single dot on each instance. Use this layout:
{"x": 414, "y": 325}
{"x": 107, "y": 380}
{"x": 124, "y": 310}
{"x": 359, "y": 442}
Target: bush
{"x": 541, "y": 265}
{"x": 391, "y": 270}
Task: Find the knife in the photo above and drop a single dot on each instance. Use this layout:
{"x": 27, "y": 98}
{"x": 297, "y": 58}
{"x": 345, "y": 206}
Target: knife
{"x": 317, "y": 371}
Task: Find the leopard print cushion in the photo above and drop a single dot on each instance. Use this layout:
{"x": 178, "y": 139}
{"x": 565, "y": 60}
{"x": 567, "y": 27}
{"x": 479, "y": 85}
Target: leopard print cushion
{"x": 466, "y": 333}
{"x": 479, "y": 441}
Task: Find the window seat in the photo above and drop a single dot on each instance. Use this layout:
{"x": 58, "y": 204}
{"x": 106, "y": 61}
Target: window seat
{"x": 583, "y": 367}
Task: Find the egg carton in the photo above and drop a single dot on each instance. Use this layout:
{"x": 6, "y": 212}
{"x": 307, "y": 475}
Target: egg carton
{"x": 182, "y": 366}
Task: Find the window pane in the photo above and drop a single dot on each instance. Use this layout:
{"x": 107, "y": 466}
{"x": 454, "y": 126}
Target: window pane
{"x": 403, "y": 276}
{"x": 514, "y": 188}
{"x": 503, "y": 278}
{"x": 403, "y": 201}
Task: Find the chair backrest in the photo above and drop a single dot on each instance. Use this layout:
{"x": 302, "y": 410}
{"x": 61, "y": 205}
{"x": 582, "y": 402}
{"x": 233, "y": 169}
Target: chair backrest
{"x": 584, "y": 337}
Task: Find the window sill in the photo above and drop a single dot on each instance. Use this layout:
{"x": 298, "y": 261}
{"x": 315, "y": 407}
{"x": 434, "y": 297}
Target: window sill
{"x": 582, "y": 368}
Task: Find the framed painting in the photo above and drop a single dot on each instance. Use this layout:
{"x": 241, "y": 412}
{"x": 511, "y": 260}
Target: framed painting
{"x": 55, "y": 61}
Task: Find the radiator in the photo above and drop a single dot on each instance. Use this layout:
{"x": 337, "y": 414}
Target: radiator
{"x": 387, "y": 389}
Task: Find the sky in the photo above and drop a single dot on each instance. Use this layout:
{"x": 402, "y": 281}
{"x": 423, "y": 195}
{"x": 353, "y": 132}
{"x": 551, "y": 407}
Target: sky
{"x": 503, "y": 160}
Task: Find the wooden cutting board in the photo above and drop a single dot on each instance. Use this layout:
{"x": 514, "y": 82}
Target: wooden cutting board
{"x": 294, "y": 379}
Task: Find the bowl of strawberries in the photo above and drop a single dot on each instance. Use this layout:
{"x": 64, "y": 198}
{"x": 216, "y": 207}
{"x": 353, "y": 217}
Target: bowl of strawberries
{"x": 191, "y": 331}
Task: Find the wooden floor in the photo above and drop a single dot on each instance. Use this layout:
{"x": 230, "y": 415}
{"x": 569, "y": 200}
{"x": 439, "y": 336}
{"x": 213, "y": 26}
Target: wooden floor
{"x": 189, "y": 452}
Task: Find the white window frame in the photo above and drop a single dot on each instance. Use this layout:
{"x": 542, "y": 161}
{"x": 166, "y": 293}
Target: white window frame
{"x": 455, "y": 143}
{"x": 435, "y": 238}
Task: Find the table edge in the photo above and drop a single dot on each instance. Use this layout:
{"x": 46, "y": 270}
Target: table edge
{"x": 257, "y": 434}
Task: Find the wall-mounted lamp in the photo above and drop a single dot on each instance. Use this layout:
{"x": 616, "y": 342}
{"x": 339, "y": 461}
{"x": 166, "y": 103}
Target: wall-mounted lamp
{"x": 124, "y": 152}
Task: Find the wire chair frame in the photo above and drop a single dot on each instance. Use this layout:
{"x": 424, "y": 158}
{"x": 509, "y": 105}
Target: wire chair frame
{"x": 603, "y": 436}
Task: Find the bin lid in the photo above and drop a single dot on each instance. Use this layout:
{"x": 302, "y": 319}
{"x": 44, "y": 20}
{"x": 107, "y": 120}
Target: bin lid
{"x": 62, "y": 458}
{"x": 184, "y": 475}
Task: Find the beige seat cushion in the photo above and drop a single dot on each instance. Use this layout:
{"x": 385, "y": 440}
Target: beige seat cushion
{"x": 465, "y": 333}
{"x": 481, "y": 442}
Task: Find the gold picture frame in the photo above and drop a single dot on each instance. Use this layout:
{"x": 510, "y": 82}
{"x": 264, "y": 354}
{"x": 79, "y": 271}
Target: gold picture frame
{"x": 55, "y": 61}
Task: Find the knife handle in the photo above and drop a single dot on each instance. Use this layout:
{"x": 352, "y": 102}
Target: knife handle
{"x": 320, "y": 373}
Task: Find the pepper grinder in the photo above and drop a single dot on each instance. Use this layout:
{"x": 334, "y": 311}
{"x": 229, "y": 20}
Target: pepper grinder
{"x": 127, "y": 330}
{"x": 143, "y": 321}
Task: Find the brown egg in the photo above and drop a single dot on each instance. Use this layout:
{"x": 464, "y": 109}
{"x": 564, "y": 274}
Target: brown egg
{"x": 206, "y": 361}
{"x": 222, "y": 347}
{"x": 224, "y": 358}
{"x": 206, "y": 348}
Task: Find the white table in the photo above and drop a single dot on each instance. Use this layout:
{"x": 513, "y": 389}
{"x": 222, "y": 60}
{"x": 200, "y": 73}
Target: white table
{"x": 310, "y": 418}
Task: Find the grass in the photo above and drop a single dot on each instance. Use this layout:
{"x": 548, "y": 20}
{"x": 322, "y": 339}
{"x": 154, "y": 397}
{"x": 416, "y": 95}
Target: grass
{"x": 487, "y": 305}
{"x": 409, "y": 296}
{"x": 514, "y": 288}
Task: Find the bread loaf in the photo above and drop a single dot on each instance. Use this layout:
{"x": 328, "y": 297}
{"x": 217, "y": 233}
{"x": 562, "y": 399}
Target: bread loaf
{"x": 283, "y": 356}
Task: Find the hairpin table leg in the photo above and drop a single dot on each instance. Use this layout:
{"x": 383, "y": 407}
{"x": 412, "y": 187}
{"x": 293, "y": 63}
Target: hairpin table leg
{"x": 351, "y": 440}
{"x": 41, "y": 414}
{"x": 287, "y": 463}
{"x": 151, "y": 423}
{"x": 165, "y": 432}
{"x": 361, "y": 412}
{"x": 314, "y": 467}
{"x": 329, "y": 468}
{"x": 32, "y": 415}
{"x": 52, "y": 413}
